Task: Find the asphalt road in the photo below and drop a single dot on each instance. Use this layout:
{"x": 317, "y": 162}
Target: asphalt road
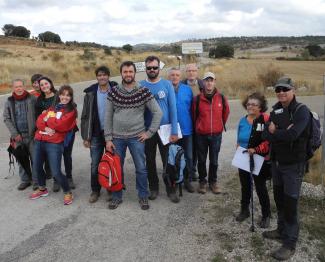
{"x": 46, "y": 230}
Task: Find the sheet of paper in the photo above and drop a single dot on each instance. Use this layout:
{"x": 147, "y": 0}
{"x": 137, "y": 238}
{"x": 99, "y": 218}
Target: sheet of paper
{"x": 241, "y": 160}
{"x": 164, "y": 132}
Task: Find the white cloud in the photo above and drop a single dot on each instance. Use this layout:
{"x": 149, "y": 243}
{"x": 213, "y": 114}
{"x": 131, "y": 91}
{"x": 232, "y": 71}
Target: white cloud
{"x": 115, "y": 22}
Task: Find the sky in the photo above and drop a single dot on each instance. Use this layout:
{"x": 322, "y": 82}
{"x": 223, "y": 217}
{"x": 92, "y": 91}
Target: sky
{"x": 115, "y": 23}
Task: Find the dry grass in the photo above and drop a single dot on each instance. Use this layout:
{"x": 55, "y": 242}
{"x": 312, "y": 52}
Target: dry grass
{"x": 63, "y": 66}
{"x": 237, "y": 76}
{"x": 314, "y": 176}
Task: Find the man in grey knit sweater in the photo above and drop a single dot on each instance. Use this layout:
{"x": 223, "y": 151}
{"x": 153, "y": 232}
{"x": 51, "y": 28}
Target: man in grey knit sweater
{"x": 124, "y": 127}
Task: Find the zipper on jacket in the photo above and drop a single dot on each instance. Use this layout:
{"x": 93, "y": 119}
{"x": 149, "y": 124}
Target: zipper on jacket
{"x": 211, "y": 115}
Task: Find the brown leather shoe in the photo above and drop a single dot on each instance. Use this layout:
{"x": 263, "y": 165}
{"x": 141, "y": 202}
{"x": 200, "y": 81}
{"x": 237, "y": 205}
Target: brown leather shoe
{"x": 214, "y": 188}
{"x": 93, "y": 197}
{"x": 202, "y": 189}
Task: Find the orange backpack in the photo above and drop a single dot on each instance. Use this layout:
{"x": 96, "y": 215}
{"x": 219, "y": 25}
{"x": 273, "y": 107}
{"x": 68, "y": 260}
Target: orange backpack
{"x": 110, "y": 172}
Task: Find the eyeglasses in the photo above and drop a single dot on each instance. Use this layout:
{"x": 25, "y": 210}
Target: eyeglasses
{"x": 279, "y": 89}
{"x": 152, "y": 68}
{"x": 251, "y": 104}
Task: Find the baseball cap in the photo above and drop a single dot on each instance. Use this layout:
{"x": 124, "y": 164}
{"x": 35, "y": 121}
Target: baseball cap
{"x": 209, "y": 75}
{"x": 285, "y": 82}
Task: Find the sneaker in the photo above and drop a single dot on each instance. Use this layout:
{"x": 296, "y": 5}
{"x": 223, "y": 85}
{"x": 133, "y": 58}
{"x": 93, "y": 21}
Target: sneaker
{"x": 71, "y": 183}
{"x": 23, "y": 185}
{"x": 153, "y": 194}
{"x": 188, "y": 186}
{"x": 39, "y": 193}
{"x": 93, "y": 197}
{"x": 214, "y": 188}
{"x": 202, "y": 189}
{"x": 272, "y": 234}
{"x": 265, "y": 222}
{"x": 56, "y": 186}
{"x": 114, "y": 203}
{"x": 68, "y": 197}
{"x": 244, "y": 213}
{"x": 283, "y": 253}
{"x": 144, "y": 203}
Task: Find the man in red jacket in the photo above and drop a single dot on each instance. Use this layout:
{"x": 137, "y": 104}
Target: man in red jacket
{"x": 210, "y": 114}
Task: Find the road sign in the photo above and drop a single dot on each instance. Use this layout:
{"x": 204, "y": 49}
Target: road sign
{"x": 141, "y": 66}
{"x": 192, "y": 48}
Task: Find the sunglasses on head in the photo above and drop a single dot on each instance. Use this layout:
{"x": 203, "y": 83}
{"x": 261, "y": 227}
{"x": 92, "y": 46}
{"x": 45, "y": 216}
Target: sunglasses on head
{"x": 152, "y": 68}
{"x": 279, "y": 89}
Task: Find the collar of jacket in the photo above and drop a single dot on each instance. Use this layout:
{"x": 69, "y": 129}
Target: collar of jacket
{"x": 291, "y": 106}
{"x": 93, "y": 88}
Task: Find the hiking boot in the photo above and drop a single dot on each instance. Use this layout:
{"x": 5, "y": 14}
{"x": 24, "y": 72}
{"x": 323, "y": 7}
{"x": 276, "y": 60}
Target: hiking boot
{"x": 214, "y": 188}
{"x": 188, "y": 186}
{"x": 23, "y": 185}
{"x": 71, "y": 183}
{"x": 109, "y": 196}
{"x": 265, "y": 222}
{"x": 68, "y": 197}
{"x": 144, "y": 203}
{"x": 244, "y": 213}
{"x": 283, "y": 253}
{"x": 114, "y": 203}
{"x": 56, "y": 186}
{"x": 173, "y": 197}
{"x": 272, "y": 234}
{"x": 153, "y": 194}
{"x": 202, "y": 189}
{"x": 93, "y": 197}
{"x": 39, "y": 193}
{"x": 35, "y": 186}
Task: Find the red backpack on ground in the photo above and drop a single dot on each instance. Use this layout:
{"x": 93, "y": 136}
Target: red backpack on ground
{"x": 110, "y": 172}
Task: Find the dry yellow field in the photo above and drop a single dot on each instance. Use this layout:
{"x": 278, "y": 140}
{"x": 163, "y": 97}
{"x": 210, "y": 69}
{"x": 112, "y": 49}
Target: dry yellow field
{"x": 61, "y": 65}
{"x": 237, "y": 76}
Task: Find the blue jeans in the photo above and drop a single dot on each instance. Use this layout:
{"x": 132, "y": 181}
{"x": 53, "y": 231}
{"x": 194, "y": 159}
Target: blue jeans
{"x": 67, "y": 158}
{"x": 53, "y": 152}
{"x": 205, "y": 143}
{"x": 97, "y": 145}
{"x": 137, "y": 152}
{"x": 186, "y": 142}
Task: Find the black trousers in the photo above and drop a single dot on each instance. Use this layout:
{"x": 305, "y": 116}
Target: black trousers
{"x": 261, "y": 190}
{"x": 150, "y": 151}
{"x": 287, "y": 181}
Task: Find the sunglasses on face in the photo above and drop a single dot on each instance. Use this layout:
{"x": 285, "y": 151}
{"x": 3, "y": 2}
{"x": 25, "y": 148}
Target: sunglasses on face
{"x": 251, "y": 104}
{"x": 282, "y": 89}
{"x": 152, "y": 68}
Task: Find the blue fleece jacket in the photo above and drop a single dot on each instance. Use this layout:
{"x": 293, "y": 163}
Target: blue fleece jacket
{"x": 164, "y": 94}
{"x": 184, "y": 97}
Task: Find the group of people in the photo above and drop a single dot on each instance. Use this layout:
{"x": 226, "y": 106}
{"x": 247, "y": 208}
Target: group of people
{"x": 128, "y": 115}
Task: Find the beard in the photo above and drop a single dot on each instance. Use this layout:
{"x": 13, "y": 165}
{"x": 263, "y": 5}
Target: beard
{"x": 152, "y": 74}
{"x": 128, "y": 80}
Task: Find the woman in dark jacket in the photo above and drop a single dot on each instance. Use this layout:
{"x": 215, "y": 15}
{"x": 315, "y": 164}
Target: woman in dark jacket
{"x": 249, "y": 136}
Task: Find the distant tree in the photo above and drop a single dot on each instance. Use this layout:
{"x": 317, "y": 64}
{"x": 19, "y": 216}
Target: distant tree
{"x": 18, "y": 31}
{"x": 315, "y": 50}
{"x": 176, "y": 49}
{"x": 21, "y": 31}
{"x": 128, "y": 48}
{"x": 222, "y": 51}
{"x": 7, "y": 29}
{"x": 49, "y": 36}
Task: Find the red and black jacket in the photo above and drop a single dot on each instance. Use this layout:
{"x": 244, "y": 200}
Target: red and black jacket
{"x": 255, "y": 140}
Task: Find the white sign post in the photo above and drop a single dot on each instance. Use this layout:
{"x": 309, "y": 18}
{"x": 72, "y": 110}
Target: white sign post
{"x": 192, "y": 48}
{"x": 141, "y": 66}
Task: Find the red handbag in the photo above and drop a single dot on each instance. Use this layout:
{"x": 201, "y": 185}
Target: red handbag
{"x": 110, "y": 172}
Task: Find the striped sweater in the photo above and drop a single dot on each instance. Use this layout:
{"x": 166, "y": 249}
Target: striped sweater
{"x": 125, "y": 112}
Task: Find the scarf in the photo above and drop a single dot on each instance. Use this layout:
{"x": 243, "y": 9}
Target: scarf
{"x": 20, "y": 97}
